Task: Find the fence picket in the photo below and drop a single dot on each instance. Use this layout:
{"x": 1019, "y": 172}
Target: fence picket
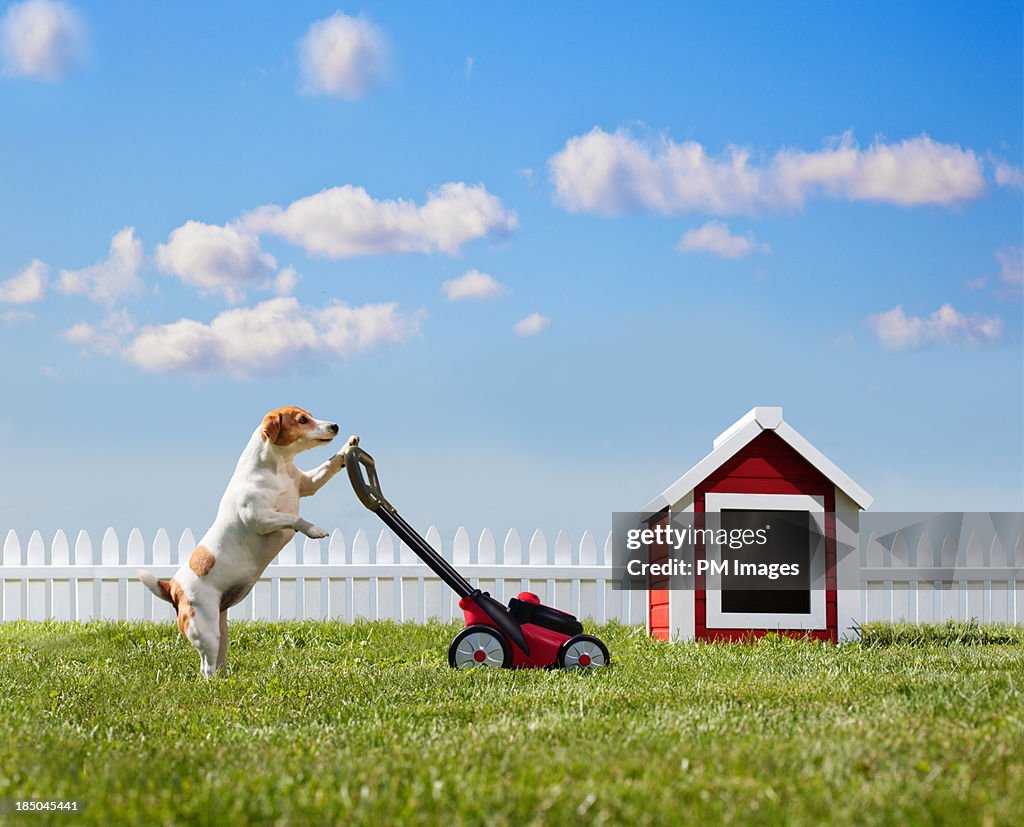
{"x": 604, "y": 559}
{"x": 537, "y": 555}
{"x": 158, "y": 609}
{"x": 487, "y": 556}
{"x": 462, "y": 549}
{"x": 899, "y": 593}
{"x": 307, "y": 591}
{"x": 588, "y": 592}
{"x": 389, "y": 604}
{"x": 339, "y": 592}
{"x": 360, "y": 605}
{"x": 325, "y": 581}
{"x": 36, "y": 590}
{"x": 63, "y": 588}
{"x": 437, "y": 597}
{"x": 186, "y": 545}
{"x": 512, "y": 554}
{"x": 108, "y": 600}
{"x": 562, "y": 591}
{"x": 463, "y": 554}
{"x": 1001, "y": 609}
{"x": 135, "y": 592}
{"x": 924, "y": 557}
{"x": 512, "y": 550}
{"x": 86, "y": 591}
{"x": 280, "y": 608}
{"x": 12, "y": 588}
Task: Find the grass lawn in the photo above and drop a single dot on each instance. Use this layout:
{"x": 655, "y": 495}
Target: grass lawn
{"x": 365, "y": 723}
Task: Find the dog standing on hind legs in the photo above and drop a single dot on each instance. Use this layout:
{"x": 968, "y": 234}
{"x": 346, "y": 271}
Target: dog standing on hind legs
{"x": 258, "y": 515}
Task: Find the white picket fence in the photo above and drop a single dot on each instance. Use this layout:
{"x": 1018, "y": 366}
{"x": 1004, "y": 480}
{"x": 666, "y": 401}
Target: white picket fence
{"x": 932, "y": 575}
{"x": 917, "y": 575}
{"x": 381, "y": 579}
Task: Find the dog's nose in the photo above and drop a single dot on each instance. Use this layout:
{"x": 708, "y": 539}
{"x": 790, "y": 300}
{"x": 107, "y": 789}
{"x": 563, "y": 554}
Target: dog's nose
{"x": 334, "y": 429}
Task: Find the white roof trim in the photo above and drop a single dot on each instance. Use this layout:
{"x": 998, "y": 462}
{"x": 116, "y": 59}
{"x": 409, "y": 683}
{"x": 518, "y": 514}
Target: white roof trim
{"x": 733, "y": 438}
{"x": 824, "y": 464}
{"x": 703, "y": 469}
{"x": 767, "y": 418}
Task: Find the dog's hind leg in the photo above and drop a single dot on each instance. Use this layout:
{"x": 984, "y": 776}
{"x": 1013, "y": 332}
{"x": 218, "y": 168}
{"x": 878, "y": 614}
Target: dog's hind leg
{"x": 222, "y": 651}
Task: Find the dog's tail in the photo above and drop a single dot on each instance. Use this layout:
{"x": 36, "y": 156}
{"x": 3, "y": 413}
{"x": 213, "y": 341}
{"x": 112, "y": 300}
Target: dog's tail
{"x": 161, "y": 588}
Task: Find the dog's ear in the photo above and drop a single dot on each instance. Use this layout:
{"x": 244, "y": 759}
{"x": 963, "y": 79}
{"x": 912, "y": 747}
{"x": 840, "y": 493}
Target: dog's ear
{"x": 272, "y": 426}
{"x": 169, "y": 593}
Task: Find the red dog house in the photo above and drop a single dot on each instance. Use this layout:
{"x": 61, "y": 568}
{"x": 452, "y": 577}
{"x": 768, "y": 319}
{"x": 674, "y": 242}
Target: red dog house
{"x": 759, "y": 464}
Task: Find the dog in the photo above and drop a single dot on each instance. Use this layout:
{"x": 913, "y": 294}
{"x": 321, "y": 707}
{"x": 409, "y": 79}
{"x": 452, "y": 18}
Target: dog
{"x": 258, "y": 515}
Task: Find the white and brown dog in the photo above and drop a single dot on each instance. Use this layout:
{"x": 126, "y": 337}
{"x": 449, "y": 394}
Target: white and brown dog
{"x": 258, "y": 515}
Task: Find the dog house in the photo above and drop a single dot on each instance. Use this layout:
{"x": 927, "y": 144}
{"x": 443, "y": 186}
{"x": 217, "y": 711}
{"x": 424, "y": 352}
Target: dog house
{"x": 762, "y": 464}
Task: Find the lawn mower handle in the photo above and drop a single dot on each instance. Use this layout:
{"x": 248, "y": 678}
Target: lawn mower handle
{"x": 369, "y": 494}
{"x": 367, "y": 490}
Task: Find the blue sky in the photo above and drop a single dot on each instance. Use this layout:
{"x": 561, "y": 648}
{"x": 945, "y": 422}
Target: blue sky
{"x": 701, "y": 208}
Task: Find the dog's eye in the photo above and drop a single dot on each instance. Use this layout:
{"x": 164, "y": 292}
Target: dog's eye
{"x": 303, "y": 420}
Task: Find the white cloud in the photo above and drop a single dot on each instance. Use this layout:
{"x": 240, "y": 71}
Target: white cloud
{"x": 1008, "y": 175}
{"x": 912, "y": 172}
{"x": 1011, "y": 262}
{"x": 109, "y": 280}
{"x": 473, "y": 285}
{"x": 532, "y": 325}
{"x": 13, "y": 317}
{"x": 346, "y": 221}
{"x": 42, "y": 39}
{"x": 714, "y": 237}
{"x": 976, "y": 284}
{"x": 107, "y": 338}
{"x": 278, "y": 336}
{"x": 897, "y": 331}
{"x": 216, "y": 259}
{"x": 614, "y": 173}
{"x": 286, "y": 281}
{"x": 343, "y": 56}
{"x": 26, "y": 287}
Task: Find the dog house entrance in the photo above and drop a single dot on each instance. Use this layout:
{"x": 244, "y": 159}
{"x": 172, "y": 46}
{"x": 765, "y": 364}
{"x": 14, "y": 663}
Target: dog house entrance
{"x": 788, "y": 543}
{"x": 795, "y": 537}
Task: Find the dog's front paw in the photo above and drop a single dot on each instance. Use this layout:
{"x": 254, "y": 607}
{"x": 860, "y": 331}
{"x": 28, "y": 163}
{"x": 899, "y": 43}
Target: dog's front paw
{"x": 353, "y": 441}
{"x": 314, "y": 532}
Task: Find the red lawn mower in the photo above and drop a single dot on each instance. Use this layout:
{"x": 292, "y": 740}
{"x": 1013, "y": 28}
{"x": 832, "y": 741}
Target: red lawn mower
{"x": 525, "y": 634}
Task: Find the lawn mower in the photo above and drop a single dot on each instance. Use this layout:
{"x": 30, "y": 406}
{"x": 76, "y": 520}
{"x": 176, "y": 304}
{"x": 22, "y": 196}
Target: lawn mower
{"x": 525, "y": 634}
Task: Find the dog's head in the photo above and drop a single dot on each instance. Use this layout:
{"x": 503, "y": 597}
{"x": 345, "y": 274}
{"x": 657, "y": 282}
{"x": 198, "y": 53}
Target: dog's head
{"x": 296, "y": 429}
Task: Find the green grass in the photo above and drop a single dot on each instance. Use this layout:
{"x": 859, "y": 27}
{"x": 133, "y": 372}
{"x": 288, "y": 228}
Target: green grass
{"x": 329, "y": 723}
{"x": 950, "y": 633}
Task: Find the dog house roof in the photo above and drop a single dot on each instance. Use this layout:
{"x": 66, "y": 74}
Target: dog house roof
{"x": 741, "y": 432}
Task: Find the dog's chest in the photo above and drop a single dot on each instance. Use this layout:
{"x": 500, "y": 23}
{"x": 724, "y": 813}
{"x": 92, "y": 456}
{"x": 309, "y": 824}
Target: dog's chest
{"x": 288, "y": 501}
{"x": 284, "y": 489}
